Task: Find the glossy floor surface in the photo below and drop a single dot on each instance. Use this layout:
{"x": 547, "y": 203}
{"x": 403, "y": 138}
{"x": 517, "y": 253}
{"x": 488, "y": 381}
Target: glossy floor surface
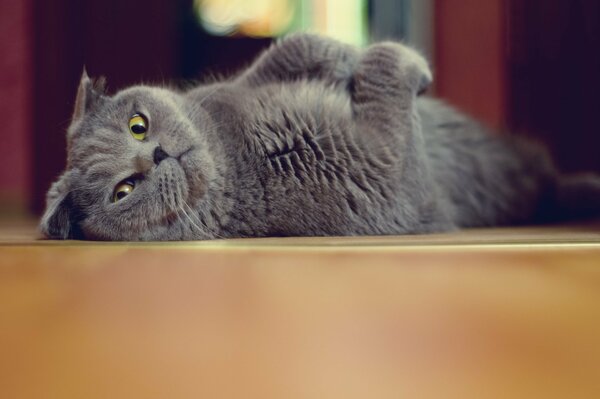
{"x": 478, "y": 313}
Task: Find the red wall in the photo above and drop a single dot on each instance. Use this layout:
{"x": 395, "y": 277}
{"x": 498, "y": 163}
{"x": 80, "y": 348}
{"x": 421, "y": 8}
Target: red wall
{"x": 15, "y": 100}
{"x": 470, "y": 57}
{"x": 554, "y": 71}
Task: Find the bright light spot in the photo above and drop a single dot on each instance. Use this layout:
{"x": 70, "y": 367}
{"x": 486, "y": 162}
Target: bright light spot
{"x": 344, "y": 20}
{"x": 249, "y": 17}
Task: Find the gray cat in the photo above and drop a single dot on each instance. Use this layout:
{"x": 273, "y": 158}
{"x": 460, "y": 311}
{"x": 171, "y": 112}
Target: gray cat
{"x": 316, "y": 138}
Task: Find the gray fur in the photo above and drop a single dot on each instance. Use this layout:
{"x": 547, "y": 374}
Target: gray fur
{"x": 315, "y": 138}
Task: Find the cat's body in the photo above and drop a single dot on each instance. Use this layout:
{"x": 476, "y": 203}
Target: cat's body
{"x": 316, "y": 138}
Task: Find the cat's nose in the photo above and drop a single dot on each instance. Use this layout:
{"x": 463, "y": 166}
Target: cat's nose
{"x": 159, "y": 155}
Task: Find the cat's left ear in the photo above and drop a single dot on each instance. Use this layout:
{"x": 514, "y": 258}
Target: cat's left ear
{"x": 60, "y": 220}
{"x": 89, "y": 94}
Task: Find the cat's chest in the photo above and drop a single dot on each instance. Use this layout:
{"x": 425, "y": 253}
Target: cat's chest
{"x": 298, "y": 121}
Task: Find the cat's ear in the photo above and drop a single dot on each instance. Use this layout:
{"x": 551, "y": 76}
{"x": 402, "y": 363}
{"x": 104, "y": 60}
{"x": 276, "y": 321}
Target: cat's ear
{"x": 89, "y": 94}
{"x": 60, "y": 220}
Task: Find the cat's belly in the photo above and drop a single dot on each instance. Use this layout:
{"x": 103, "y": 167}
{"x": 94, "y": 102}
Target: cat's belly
{"x": 316, "y": 173}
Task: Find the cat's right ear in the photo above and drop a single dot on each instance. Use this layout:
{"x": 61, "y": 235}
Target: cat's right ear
{"x": 89, "y": 94}
{"x": 60, "y": 219}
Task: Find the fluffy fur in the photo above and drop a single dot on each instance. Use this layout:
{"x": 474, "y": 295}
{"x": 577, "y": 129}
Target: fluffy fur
{"x": 315, "y": 138}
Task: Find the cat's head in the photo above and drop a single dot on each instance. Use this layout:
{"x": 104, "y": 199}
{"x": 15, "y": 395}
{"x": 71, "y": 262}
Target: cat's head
{"x": 136, "y": 162}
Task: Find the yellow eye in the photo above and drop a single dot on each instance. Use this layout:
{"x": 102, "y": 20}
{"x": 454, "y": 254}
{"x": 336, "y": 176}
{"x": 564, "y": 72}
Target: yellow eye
{"x": 138, "y": 126}
{"x": 122, "y": 190}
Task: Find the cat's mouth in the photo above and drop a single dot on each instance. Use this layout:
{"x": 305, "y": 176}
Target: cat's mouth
{"x": 191, "y": 163}
{"x": 185, "y": 153}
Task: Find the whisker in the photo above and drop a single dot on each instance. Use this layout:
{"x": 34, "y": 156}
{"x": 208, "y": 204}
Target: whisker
{"x": 196, "y": 217}
{"x": 190, "y": 219}
{"x": 183, "y": 225}
{"x": 200, "y": 221}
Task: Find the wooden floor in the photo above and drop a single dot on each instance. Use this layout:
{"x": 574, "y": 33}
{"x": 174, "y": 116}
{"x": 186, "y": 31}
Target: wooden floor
{"x": 502, "y": 313}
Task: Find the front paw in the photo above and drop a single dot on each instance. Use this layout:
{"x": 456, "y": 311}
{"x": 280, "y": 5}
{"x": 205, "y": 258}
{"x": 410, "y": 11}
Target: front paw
{"x": 401, "y": 63}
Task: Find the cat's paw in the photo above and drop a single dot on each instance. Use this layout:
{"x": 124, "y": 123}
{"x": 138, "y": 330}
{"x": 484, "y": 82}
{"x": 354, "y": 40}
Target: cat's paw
{"x": 405, "y": 65}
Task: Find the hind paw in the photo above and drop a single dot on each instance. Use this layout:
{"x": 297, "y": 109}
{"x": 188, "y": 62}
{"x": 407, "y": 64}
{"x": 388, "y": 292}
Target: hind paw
{"x": 400, "y": 65}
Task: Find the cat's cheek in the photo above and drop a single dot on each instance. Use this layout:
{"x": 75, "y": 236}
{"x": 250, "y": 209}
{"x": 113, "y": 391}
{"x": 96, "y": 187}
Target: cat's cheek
{"x": 95, "y": 231}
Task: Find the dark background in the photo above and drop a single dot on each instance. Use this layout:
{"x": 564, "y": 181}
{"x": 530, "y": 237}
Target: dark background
{"x": 526, "y": 66}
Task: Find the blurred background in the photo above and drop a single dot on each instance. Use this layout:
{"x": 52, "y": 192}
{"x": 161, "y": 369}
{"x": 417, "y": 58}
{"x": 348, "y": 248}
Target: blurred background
{"x": 528, "y": 67}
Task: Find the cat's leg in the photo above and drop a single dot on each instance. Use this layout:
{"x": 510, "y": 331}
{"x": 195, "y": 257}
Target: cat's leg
{"x": 385, "y": 85}
{"x": 384, "y": 90}
{"x": 304, "y": 56}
